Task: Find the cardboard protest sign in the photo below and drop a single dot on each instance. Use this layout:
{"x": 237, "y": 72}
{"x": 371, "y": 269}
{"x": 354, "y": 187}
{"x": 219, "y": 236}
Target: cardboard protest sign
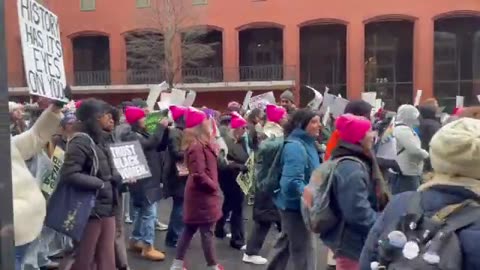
{"x": 328, "y": 101}
{"x": 459, "y": 101}
{"x": 154, "y": 93}
{"x": 317, "y": 99}
{"x": 245, "y": 179}
{"x": 370, "y": 97}
{"x": 418, "y": 97}
{"x": 246, "y": 100}
{"x": 129, "y": 160}
{"x": 191, "y": 96}
{"x": 153, "y": 120}
{"x": 478, "y": 97}
{"x": 42, "y": 50}
{"x": 50, "y": 179}
{"x": 261, "y": 101}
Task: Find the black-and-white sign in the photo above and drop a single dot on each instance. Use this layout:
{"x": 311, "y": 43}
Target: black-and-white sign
{"x": 129, "y": 160}
{"x": 42, "y": 50}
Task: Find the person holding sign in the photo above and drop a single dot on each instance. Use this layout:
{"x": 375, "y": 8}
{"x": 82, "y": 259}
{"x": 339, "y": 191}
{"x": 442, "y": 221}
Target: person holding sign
{"x": 87, "y": 167}
{"x": 203, "y": 197}
{"x": 145, "y": 193}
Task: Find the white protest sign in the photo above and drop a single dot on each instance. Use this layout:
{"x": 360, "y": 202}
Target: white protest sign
{"x": 459, "y": 101}
{"x": 177, "y": 97}
{"x": 326, "y": 117}
{"x": 370, "y": 97}
{"x": 338, "y": 106}
{"x": 261, "y": 101}
{"x": 129, "y": 160}
{"x": 418, "y": 97}
{"x": 165, "y": 101}
{"x": 317, "y": 99}
{"x": 246, "y": 100}
{"x": 42, "y": 50}
{"x": 478, "y": 97}
{"x": 191, "y": 96}
{"x": 328, "y": 101}
{"x": 154, "y": 93}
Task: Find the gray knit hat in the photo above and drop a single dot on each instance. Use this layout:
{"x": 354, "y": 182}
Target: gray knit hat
{"x": 288, "y": 95}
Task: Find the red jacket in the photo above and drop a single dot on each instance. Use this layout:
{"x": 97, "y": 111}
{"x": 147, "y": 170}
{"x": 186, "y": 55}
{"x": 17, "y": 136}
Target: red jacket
{"x": 203, "y": 198}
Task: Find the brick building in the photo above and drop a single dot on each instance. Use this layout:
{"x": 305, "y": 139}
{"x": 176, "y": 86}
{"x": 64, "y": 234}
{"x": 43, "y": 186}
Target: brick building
{"x": 392, "y": 47}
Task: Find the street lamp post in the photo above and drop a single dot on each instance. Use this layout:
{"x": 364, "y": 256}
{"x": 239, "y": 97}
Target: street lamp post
{"x": 6, "y": 203}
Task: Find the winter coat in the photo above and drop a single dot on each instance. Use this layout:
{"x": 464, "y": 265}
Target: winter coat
{"x": 429, "y": 125}
{"x": 76, "y": 171}
{"x": 299, "y": 159}
{"x": 354, "y": 201}
{"x": 29, "y": 207}
{"x": 174, "y": 185}
{"x": 410, "y": 155}
{"x": 433, "y": 200}
{"x": 203, "y": 197}
{"x": 236, "y": 158}
{"x": 263, "y": 207}
{"x": 149, "y": 190}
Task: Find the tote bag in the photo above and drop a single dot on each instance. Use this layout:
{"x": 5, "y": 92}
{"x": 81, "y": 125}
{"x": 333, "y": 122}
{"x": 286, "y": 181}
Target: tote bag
{"x": 69, "y": 208}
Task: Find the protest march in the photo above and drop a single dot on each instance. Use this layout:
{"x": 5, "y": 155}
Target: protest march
{"x": 369, "y": 180}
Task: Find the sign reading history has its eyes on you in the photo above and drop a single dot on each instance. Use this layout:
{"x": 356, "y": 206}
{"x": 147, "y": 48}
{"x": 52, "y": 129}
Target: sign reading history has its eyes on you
{"x": 129, "y": 160}
{"x": 42, "y": 50}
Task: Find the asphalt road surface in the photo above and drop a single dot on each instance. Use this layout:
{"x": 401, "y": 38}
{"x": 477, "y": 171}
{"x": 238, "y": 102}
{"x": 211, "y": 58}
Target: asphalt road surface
{"x": 230, "y": 258}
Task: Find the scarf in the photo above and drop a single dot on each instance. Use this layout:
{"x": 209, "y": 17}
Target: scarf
{"x": 438, "y": 179}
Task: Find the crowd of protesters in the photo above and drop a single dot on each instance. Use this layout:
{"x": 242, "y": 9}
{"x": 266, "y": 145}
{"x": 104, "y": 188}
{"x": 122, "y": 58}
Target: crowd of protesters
{"x": 196, "y": 156}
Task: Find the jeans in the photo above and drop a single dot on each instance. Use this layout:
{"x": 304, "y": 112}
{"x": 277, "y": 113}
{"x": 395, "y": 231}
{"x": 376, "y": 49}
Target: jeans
{"x": 296, "y": 243}
{"x": 402, "y": 183}
{"x": 20, "y": 253}
{"x": 144, "y": 224}
{"x": 175, "y": 226}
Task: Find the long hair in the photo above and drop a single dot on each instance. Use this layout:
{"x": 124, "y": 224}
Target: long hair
{"x": 88, "y": 114}
{"x": 198, "y": 134}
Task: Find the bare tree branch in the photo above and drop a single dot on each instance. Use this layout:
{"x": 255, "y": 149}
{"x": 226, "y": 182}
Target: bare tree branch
{"x": 168, "y": 47}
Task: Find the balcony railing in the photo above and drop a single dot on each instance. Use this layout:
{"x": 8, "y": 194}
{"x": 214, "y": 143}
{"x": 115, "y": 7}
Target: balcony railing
{"x": 98, "y": 77}
{"x": 189, "y": 75}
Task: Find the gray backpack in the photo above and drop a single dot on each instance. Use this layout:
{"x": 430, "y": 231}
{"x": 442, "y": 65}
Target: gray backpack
{"x": 421, "y": 242}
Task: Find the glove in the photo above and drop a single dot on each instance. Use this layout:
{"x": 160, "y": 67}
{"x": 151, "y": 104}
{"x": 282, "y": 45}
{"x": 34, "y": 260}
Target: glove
{"x": 67, "y": 92}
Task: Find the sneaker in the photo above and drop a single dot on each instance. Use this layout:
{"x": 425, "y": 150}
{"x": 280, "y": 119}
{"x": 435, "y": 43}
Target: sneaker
{"x": 229, "y": 235}
{"x": 160, "y": 226}
{"x": 254, "y": 259}
{"x": 135, "y": 246}
{"x": 243, "y": 248}
{"x": 178, "y": 265}
{"x": 216, "y": 267}
{"x": 150, "y": 253}
{"x": 128, "y": 220}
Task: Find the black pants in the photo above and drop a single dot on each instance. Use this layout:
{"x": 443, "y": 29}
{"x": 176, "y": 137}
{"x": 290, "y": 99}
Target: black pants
{"x": 234, "y": 208}
{"x": 257, "y": 237}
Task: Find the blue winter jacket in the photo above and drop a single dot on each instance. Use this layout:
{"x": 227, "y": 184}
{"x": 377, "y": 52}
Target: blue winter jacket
{"x": 299, "y": 158}
{"x": 433, "y": 199}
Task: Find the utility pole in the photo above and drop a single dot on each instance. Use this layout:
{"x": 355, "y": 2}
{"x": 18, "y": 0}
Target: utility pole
{"x": 7, "y": 261}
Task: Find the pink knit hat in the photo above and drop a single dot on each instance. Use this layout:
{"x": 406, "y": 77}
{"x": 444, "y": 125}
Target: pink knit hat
{"x": 177, "y": 111}
{"x": 133, "y": 114}
{"x": 237, "y": 121}
{"x": 194, "y": 117}
{"x": 275, "y": 113}
{"x": 352, "y": 128}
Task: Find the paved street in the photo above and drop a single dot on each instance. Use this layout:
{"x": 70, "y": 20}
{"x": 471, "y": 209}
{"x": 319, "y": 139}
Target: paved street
{"x": 231, "y": 259}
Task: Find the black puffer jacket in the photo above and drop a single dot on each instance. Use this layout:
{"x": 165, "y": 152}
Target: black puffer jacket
{"x": 429, "y": 125}
{"x": 174, "y": 186}
{"x": 76, "y": 171}
{"x": 149, "y": 190}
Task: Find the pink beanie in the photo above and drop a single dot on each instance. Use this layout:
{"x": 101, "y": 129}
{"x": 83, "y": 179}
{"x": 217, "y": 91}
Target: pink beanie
{"x": 78, "y": 103}
{"x": 194, "y": 117}
{"x": 237, "y": 121}
{"x": 352, "y": 128}
{"x": 275, "y": 113}
{"x": 177, "y": 111}
{"x": 133, "y": 114}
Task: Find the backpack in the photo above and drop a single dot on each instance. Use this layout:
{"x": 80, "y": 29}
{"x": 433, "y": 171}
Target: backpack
{"x": 269, "y": 165}
{"x": 420, "y": 242}
{"x": 317, "y": 213}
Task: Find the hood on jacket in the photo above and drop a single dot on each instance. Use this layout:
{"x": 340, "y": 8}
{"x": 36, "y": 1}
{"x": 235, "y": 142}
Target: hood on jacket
{"x": 408, "y": 115}
{"x": 428, "y": 112}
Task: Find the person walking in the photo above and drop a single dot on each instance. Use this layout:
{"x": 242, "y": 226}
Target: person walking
{"x": 203, "y": 197}
{"x": 146, "y": 192}
{"x": 299, "y": 159}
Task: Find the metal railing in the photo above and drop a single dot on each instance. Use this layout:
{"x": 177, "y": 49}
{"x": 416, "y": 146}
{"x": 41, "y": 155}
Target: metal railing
{"x": 202, "y": 75}
{"x": 145, "y": 76}
{"x": 97, "y": 77}
{"x": 393, "y": 94}
{"x": 261, "y": 73}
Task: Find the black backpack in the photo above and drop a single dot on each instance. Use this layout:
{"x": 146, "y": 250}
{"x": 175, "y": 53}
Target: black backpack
{"x": 432, "y": 241}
